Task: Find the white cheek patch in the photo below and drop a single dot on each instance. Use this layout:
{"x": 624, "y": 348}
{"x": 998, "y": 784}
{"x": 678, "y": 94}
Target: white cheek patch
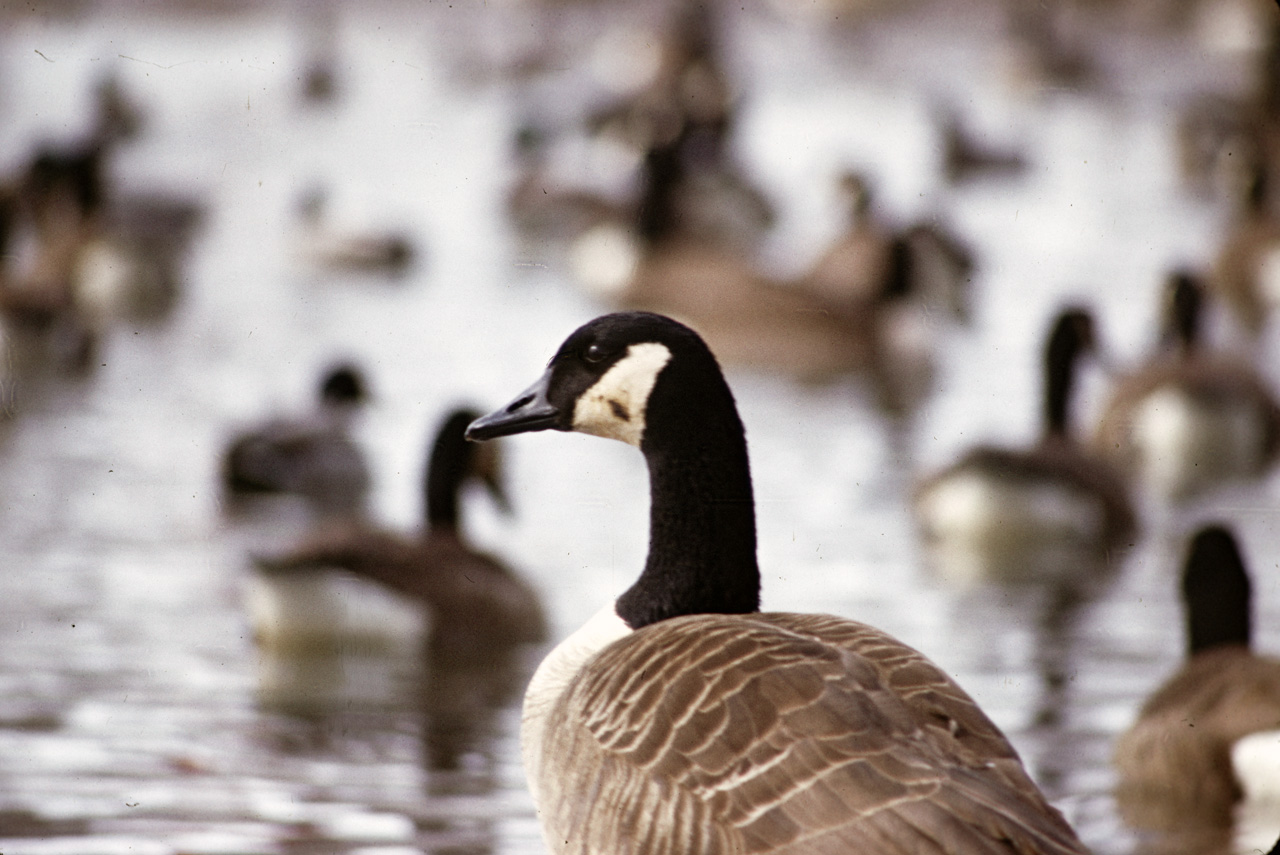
{"x": 615, "y": 406}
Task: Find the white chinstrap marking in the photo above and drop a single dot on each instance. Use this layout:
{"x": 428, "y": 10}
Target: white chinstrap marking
{"x": 615, "y": 406}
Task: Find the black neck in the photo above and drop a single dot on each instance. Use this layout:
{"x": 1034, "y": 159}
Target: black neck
{"x": 1061, "y": 355}
{"x": 702, "y": 536}
{"x": 442, "y": 502}
{"x": 1217, "y": 591}
{"x": 1182, "y": 319}
{"x": 448, "y": 466}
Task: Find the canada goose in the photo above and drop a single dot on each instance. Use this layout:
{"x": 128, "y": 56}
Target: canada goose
{"x": 312, "y": 457}
{"x": 868, "y": 306}
{"x": 477, "y": 604}
{"x": 682, "y": 719}
{"x": 1174, "y": 763}
{"x": 1246, "y": 271}
{"x": 964, "y": 157}
{"x": 1039, "y": 56}
{"x": 688, "y": 94}
{"x": 1189, "y": 419}
{"x": 1041, "y": 512}
{"x": 339, "y": 247}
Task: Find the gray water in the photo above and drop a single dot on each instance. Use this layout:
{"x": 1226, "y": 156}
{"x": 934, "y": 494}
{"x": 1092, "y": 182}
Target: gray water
{"x": 133, "y": 712}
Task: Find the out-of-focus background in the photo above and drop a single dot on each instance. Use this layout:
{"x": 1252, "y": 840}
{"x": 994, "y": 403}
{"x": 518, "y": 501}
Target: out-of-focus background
{"x": 209, "y": 203}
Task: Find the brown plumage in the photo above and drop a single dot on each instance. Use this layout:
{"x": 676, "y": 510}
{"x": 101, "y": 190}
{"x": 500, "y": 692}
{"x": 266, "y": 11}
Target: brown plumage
{"x": 1175, "y": 762}
{"x": 786, "y": 733}
{"x": 1245, "y": 270}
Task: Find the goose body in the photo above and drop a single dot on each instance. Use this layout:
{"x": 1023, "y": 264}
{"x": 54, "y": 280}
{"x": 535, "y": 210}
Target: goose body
{"x": 868, "y": 305}
{"x": 1190, "y": 420}
{"x": 1176, "y": 765}
{"x": 474, "y": 603}
{"x": 350, "y": 248}
{"x": 314, "y": 457}
{"x": 681, "y": 719}
{"x": 1246, "y": 271}
{"x": 1046, "y": 511}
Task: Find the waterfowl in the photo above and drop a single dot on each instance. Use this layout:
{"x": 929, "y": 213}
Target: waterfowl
{"x": 562, "y": 191}
{"x": 964, "y": 157}
{"x": 82, "y": 254}
{"x": 1035, "y": 513}
{"x": 477, "y": 604}
{"x": 1190, "y": 419}
{"x": 1246, "y": 270}
{"x": 313, "y": 457}
{"x": 339, "y": 247}
{"x": 862, "y": 309}
{"x": 1175, "y": 763}
{"x": 681, "y": 718}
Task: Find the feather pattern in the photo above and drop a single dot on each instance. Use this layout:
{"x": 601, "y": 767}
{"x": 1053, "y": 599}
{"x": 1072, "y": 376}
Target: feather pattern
{"x": 783, "y": 733}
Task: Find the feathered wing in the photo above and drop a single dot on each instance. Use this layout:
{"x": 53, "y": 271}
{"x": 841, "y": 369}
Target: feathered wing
{"x": 1175, "y": 762}
{"x": 781, "y": 733}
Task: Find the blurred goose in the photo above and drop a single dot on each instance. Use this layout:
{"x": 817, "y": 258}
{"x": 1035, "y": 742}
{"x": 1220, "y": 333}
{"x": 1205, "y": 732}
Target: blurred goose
{"x": 1189, "y": 419}
{"x": 1041, "y": 512}
{"x": 682, "y": 719}
{"x": 1246, "y": 272}
{"x": 1176, "y": 761}
{"x": 860, "y": 310}
{"x": 477, "y": 605}
{"x": 344, "y": 248}
{"x": 83, "y": 254}
{"x": 965, "y": 157}
{"x": 312, "y": 457}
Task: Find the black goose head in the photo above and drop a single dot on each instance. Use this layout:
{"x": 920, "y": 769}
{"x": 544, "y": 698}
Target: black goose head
{"x": 451, "y": 462}
{"x": 343, "y": 385}
{"x": 632, "y": 376}
{"x": 1216, "y": 589}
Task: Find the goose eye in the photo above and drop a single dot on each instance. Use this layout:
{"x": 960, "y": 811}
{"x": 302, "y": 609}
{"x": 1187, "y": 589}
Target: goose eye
{"x": 594, "y": 353}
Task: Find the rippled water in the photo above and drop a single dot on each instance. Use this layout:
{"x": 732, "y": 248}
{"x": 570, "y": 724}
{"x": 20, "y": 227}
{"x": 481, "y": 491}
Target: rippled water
{"x": 132, "y": 709}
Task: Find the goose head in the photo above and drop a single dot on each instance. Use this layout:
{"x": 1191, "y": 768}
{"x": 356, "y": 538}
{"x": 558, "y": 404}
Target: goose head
{"x": 1216, "y": 590}
{"x": 651, "y": 382}
{"x": 612, "y": 376}
{"x": 343, "y": 386}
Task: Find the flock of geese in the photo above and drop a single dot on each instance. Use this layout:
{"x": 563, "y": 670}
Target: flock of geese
{"x": 681, "y": 718}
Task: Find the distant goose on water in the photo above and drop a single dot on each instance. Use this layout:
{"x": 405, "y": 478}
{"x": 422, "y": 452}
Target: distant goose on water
{"x": 1191, "y": 419}
{"x": 476, "y": 605}
{"x": 681, "y": 719}
{"x": 1210, "y": 734}
{"x": 313, "y": 457}
{"x": 1043, "y": 512}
